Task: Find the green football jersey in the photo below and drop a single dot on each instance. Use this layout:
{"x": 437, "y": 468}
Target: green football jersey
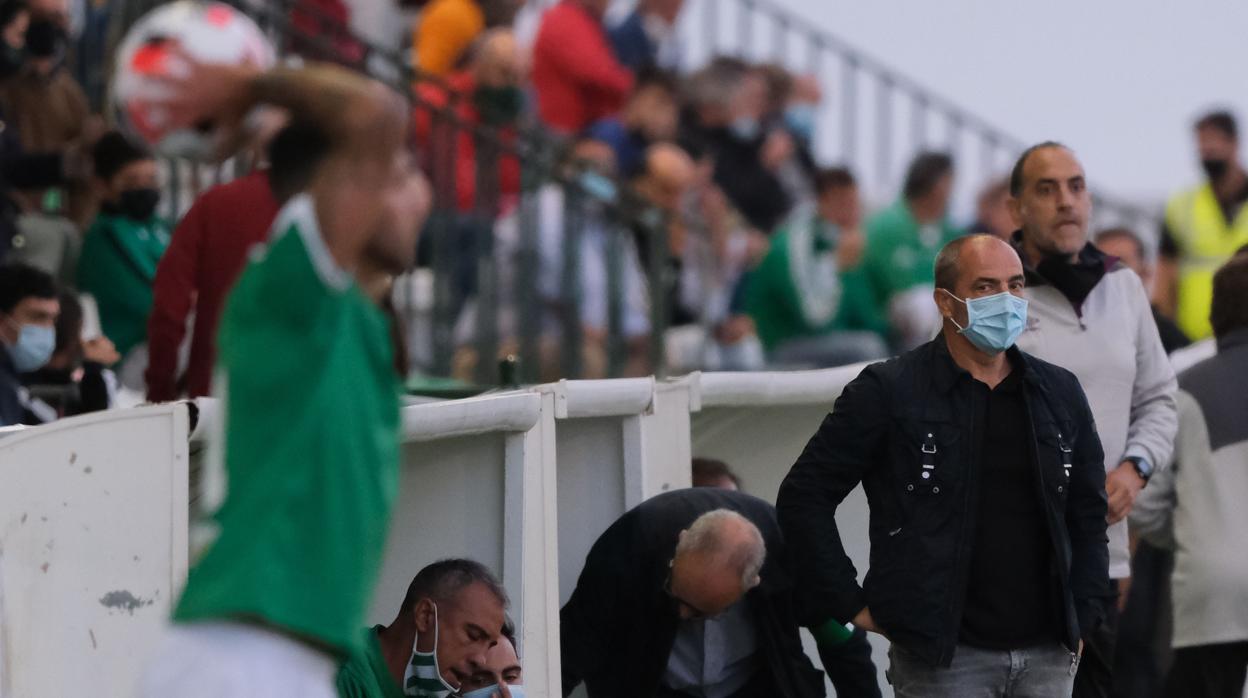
{"x": 311, "y": 445}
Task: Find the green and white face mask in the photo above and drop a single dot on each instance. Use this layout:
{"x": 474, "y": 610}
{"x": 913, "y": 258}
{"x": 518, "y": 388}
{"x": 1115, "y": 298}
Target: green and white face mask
{"x": 423, "y": 678}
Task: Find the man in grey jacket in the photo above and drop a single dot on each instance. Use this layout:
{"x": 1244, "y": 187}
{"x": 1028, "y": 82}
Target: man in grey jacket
{"x": 1197, "y": 506}
{"x": 1090, "y": 314}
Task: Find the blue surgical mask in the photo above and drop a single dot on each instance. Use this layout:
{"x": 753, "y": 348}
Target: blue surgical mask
{"x": 800, "y": 120}
{"x": 33, "y": 347}
{"x": 745, "y": 128}
{"x": 423, "y": 677}
{"x": 993, "y": 323}
{"x": 599, "y": 186}
{"x": 516, "y": 691}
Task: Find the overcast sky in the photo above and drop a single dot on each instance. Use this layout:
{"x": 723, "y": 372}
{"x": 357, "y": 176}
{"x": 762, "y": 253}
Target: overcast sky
{"x": 1118, "y": 80}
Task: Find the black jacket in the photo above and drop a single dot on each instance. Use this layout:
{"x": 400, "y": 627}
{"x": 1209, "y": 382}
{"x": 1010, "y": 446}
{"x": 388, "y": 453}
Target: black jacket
{"x": 618, "y": 628}
{"x": 921, "y": 529}
{"x": 756, "y": 192}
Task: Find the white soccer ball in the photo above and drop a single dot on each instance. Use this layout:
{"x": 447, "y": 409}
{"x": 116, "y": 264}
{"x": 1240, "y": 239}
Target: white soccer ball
{"x": 207, "y": 32}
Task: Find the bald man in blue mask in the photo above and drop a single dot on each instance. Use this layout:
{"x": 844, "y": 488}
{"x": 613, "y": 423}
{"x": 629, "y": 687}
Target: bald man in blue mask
{"x": 983, "y": 472}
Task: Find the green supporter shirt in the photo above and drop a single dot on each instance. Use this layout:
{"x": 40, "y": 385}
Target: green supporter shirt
{"x": 311, "y": 446}
{"x": 901, "y": 254}
{"x": 117, "y": 266}
{"x": 797, "y": 291}
{"x": 365, "y": 674}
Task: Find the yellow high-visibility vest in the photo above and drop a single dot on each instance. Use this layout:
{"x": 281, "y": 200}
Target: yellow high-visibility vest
{"x": 1205, "y": 242}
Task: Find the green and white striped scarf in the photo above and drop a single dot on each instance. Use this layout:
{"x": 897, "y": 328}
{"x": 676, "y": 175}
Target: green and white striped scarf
{"x": 422, "y": 678}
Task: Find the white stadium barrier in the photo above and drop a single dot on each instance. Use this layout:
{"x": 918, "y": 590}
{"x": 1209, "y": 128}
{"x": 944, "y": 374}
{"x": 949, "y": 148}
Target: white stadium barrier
{"x": 478, "y": 481}
{"x": 93, "y": 548}
{"x": 618, "y": 442}
{"x": 522, "y": 481}
{"x": 758, "y": 423}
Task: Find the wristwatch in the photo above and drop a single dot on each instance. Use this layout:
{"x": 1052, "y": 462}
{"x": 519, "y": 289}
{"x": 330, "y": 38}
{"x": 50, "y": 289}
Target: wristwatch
{"x": 1142, "y": 466}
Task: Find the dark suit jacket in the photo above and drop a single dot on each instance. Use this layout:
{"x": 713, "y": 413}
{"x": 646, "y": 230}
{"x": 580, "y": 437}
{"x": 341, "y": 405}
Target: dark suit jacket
{"x": 618, "y": 628}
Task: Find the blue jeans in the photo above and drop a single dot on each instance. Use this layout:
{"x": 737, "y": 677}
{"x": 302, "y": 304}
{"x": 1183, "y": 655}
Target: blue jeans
{"x": 1046, "y": 671}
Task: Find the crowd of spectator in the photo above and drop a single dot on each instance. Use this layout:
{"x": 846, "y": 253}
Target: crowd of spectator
{"x": 770, "y": 258}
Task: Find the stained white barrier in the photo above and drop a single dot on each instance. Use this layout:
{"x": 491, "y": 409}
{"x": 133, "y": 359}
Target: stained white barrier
{"x": 93, "y": 548}
{"x": 618, "y": 442}
{"x": 478, "y": 481}
{"x": 758, "y": 423}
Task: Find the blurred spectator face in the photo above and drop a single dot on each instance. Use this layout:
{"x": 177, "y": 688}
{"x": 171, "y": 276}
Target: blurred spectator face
{"x": 45, "y": 43}
{"x": 1218, "y": 150}
{"x": 1128, "y": 250}
{"x": 994, "y": 210}
{"x": 406, "y": 203}
{"x": 596, "y": 155}
{"x": 669, "y": 174}
{"x": 1053, "y": 205}
{"x": 653, "y": 112}
{"x": 841, "y": 206}
{"x": 749, "y": 104}
{"x": 498, "y": 71}
{"x": 501, "y": 668}
{"x": 498, "y": 60}
{"x": 135, "y": 189}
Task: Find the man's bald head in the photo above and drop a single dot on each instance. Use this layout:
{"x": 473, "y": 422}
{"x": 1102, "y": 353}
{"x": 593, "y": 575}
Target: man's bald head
{"x": 974, "y": 266}
{"x": 496, "y": 62}
{"x": 718, "y": 559}
{"x": 668, "y": 174}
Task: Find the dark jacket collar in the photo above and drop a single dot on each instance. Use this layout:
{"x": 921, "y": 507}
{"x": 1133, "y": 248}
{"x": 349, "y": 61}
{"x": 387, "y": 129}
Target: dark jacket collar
{"x": 1234, "y": 338}
{"x": 1089, "y": 256}
{"x": 946, "y": 373}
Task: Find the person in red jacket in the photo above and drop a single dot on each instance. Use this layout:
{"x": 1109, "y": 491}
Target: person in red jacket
{"x": 208, "y": 251}
{"x": 575, "y": 74}
{"x": 486, "y": 93}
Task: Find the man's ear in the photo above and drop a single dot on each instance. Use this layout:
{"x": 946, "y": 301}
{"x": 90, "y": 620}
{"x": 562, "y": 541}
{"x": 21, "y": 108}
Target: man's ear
{"x": 423, "y": 616}
{"x": 943, "y": 301}
{"x": 1016, "y": 211}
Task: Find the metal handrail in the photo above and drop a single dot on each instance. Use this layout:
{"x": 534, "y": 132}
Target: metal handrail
{"x": 534, "y": 150}
{"x": 888, "y": 81}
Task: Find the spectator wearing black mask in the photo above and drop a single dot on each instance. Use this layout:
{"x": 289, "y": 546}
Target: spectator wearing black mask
{"x": 46, "y": 105}
{"x": 1204, "y": 226}
{"x": 124, "y": 244}
{"x": 32, "y": 171}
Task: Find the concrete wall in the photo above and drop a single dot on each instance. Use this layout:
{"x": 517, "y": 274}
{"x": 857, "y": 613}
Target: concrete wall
{"x": 93, "y": 546}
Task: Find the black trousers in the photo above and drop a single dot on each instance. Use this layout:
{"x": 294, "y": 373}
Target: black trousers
{"x": 1208, "y": 671}
{"x": 1143, "y": 655}
{"x": 1096, "y": 669}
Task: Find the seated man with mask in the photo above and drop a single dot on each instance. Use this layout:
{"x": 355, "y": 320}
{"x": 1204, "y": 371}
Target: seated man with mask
{"x": 443, "y": 634}
{"x": 501, "y": 676}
